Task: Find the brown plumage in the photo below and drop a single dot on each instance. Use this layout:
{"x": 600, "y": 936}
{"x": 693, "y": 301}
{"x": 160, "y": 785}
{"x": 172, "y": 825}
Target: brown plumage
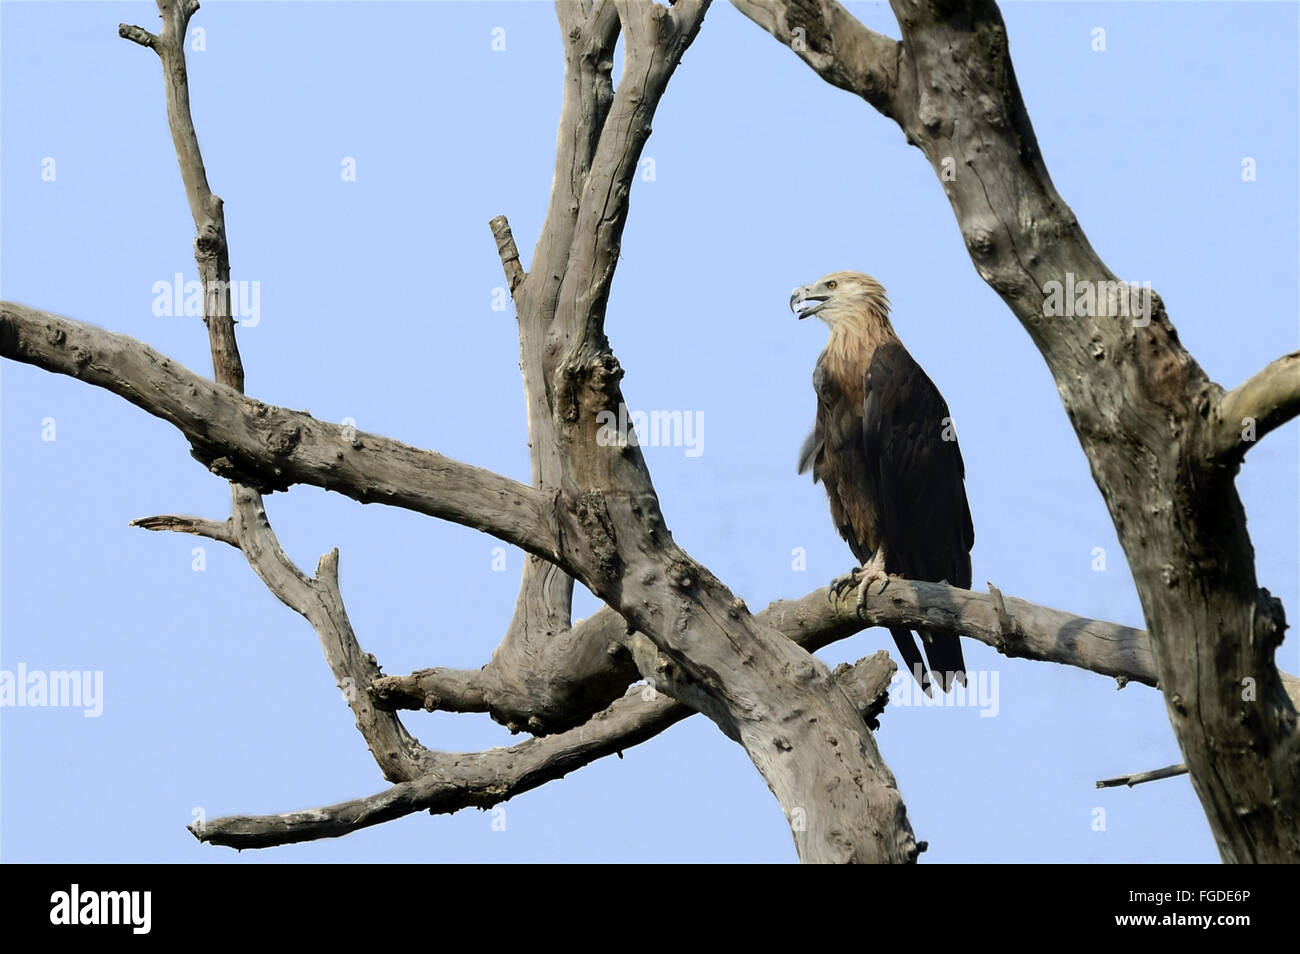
{"x": 883, "y": 447}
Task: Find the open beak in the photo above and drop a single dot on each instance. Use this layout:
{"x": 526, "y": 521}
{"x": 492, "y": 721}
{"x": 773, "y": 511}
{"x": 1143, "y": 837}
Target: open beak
{"x": 804, "y": 303}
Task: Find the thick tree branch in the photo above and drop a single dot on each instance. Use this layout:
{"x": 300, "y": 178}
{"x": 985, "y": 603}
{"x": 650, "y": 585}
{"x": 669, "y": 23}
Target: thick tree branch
{"x": 1262, "y": 404}
{"x": 835, "y": 44}
{"x": 814, "y": 621}
{"x": 1014, "y": 627}
{"x": 272, "y": 448}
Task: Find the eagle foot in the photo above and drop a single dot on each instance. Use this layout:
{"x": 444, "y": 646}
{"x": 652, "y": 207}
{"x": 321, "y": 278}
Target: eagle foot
{"x": 870, "y": 575}
{"x": 861, "y": 579}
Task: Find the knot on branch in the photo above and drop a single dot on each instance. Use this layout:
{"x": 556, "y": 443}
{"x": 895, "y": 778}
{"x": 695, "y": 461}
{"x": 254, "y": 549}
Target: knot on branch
{"x": 604, "y": 374}
{"x": 980, "y": 241}
{"x": 210, "y": 242}
{"x": 681, "y": 575}
{"x": 600, "y": 374}
{"x": 284, "y": 439}
{"x": 231, "y": 468}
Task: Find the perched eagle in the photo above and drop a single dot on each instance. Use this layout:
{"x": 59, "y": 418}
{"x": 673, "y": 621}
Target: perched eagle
{"x": 884, "y": 449}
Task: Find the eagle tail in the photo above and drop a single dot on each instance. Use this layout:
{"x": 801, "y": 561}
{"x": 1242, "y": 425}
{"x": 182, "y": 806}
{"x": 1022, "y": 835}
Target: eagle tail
{"x": 911, "y": 657}
{"x": 943, "y": 650}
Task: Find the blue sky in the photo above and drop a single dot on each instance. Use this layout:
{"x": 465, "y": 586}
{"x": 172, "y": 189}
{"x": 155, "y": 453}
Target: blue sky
{"x": 376, "y": 305}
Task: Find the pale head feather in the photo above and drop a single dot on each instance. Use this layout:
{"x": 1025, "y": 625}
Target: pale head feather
{"x": 855, "y": 298}
{"x": 856, "y": 308}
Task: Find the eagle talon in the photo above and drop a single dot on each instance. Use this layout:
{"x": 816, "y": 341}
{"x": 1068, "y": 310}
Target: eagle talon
{"x": 871, "y": 574}
{"x": 841, "y": 584}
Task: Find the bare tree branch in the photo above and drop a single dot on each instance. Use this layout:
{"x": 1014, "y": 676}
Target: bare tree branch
{"x": 1170, "y": 771}
{"x": 272, "y": 448}
{"x": 835, "y": 44}
{"x": 486, "y": 778}
{"x": 137, "y": 35}
{"x": 508, "y": 251}
{"x": 812, "y": 621}
{"x": 815, "y": 621}
{"x": 210, "y": 249}
{"x": 223, "y": 531}
{"x": 542, "y": 671}
{"x": 399, "y": 755}
{"x": 1262, "y": 404}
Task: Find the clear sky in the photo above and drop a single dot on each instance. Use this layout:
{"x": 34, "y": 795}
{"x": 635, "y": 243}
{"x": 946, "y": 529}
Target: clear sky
{"x": 376, "y": 304}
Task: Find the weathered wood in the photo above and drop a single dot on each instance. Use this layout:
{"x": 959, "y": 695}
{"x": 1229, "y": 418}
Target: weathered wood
{"x": 272, "y": 448}
{"x": 484, "y": 779}
{"x": 398, "y": 754}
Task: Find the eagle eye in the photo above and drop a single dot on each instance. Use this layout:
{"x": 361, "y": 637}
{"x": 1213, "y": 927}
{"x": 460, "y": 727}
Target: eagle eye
{"x": 831, "y": 285}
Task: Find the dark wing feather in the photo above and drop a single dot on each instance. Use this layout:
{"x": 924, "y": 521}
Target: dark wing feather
{"x": 916, "y": 478}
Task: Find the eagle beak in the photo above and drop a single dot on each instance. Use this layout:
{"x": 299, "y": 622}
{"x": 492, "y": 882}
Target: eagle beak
{"x": 812, "y": 303}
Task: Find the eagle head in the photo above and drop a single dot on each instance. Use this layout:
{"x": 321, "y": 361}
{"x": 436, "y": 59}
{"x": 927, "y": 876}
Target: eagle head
{"x": 842, "y": 298}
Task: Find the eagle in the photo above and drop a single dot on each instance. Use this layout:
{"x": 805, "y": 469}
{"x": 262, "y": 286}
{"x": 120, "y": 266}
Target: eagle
{"x": 883, "y": 447}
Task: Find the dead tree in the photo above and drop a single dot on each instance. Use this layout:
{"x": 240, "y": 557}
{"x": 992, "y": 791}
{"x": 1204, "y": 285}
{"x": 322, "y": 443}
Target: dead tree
{"x": 1164, "y": 443}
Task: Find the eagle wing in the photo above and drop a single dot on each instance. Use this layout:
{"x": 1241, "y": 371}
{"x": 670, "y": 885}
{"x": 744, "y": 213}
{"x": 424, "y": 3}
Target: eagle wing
{"x": 836, "y": 453}
{"x": 916, "y": 473}
{"x": 916, "y": 479}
